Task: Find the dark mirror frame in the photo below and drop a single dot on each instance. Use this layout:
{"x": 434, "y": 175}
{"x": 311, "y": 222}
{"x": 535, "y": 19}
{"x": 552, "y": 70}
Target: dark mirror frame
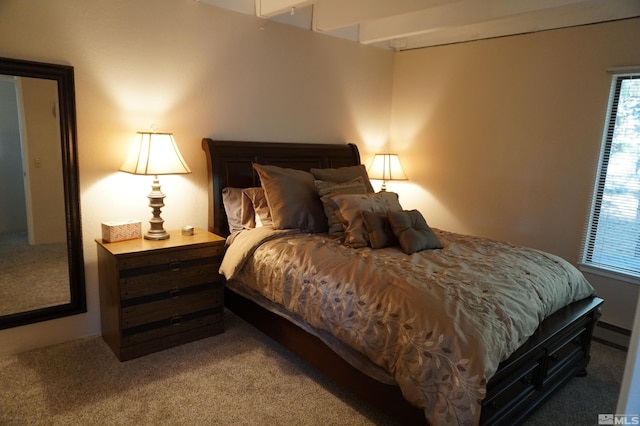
{"x": 64, "y": 76}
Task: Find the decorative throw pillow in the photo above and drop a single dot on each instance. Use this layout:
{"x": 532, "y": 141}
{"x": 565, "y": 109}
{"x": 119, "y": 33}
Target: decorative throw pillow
{"x": 292, "y": 198}
{"x": 344, "y": 174}
{"x": 350, "y": 207}
{"x": 379, "y": 230}
{"x": 326, "y": 190}
{"x": 232, "y": 201}
{"x": 255, "y": 209}
{"x": 412, "y": 231}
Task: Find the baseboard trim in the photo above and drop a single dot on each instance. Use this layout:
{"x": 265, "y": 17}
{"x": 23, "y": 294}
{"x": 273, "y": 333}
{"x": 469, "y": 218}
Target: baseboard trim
{"x": 612, "y": 335}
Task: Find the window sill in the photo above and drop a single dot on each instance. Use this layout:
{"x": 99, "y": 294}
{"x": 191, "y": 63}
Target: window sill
{"x": 609, "y": 274}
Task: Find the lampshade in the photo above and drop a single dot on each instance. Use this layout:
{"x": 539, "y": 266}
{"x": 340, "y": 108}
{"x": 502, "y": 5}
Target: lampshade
{"x": 386, "y": 167}
{"x": 155, "y": 154}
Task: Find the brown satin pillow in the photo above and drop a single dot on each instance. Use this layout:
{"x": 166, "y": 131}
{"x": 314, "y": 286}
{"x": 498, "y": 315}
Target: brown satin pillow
{"x": 292, "y": 198}
{"x": 379, "y": 230}
{"x": 350, "y": 208}
{"x": 344, "y": 174}
{"x": 326, "y": 190}
{"x": 412, "y": 231}
{"x": 232, "y": 201}
{"x": 255, "y": 209}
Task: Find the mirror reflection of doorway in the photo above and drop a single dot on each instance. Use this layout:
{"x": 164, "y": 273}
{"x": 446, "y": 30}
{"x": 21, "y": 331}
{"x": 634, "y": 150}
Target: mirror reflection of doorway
{"x": 33, "y": 249}
{"x": 13, "y": 214}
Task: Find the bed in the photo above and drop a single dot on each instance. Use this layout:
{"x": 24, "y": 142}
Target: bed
{"x": 553, "y": 352}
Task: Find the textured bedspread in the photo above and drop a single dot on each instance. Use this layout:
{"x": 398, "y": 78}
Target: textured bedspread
{"x": 439, "y": 321}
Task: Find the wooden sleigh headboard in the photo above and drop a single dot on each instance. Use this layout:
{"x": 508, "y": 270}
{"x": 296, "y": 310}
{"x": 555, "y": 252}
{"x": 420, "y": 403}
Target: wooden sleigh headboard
{"x": 229, "y": 164}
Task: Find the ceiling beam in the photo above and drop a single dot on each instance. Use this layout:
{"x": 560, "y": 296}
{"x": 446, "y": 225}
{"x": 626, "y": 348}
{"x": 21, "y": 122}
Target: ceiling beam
{"x": 332, "y": 14}
{"x": 271, "y": 8}
{"x": 463, "y": 13}
{"x": 526, "y": 23}
{"x": 243, "y": 6}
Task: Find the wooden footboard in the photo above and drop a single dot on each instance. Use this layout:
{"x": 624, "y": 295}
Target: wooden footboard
{"x": 557, "y": 351}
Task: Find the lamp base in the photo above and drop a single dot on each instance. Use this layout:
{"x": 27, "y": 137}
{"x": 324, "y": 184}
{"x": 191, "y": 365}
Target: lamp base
{"x": 163, "y": 235}
{"x": 156, "y": 202}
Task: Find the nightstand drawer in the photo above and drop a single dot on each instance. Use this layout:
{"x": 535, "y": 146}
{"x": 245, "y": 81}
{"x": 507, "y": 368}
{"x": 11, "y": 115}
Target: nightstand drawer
{"x": 189, "y": 274}
{"x": 165, "y": 260}
{"x": 171, "y": 333}
{"x": 171, "y": 307}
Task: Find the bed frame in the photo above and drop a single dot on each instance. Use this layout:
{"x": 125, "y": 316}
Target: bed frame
{"x": 557, "y": 351}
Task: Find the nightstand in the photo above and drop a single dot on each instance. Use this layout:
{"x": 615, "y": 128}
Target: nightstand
{"x": 158, "y": 294}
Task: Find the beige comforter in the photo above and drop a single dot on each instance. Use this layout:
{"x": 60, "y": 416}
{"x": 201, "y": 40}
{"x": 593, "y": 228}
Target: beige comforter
{"x": 439, "y": 321}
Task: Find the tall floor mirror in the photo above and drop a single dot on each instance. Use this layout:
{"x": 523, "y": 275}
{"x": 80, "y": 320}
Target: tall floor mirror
{"x": 41, "y": 258}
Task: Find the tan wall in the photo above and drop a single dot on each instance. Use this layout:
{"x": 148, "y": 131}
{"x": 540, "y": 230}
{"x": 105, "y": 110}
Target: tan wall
{"x": 196, "y": 71}
{"x": 501, "y": 137}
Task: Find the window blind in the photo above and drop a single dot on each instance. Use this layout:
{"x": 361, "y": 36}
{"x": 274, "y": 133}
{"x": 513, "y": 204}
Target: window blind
{"x": 612, "y": 237}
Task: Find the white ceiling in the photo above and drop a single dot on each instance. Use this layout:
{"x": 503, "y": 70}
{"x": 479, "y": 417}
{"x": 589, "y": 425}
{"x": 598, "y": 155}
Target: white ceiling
{"x": 411, "y": 24}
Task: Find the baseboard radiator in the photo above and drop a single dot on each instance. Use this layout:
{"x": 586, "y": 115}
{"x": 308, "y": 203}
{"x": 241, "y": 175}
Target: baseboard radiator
{"x": 612, "y": 335}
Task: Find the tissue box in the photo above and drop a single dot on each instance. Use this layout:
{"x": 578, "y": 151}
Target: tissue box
{"x": 120, "y": 231}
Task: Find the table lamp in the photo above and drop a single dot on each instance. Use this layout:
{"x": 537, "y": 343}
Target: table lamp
{"x": 386, "y": 167}
{"x": 155, "y": 154}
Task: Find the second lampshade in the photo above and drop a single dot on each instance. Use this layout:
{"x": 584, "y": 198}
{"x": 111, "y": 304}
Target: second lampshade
{"x": 386, "y": 167}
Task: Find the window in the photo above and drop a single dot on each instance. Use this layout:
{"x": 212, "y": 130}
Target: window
{"x": 612, "y": 238}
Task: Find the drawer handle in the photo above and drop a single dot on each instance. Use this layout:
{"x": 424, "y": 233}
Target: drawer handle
{"x": 175, "y": 321}
{"x": 175, "y": 265}
{"x": 525, "y": 380}
{"x": 174, "y": 292}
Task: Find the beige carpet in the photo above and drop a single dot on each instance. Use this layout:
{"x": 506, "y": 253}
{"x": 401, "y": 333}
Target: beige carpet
{"x": 31, "y": 277}
{"x": 240, "y": 377}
